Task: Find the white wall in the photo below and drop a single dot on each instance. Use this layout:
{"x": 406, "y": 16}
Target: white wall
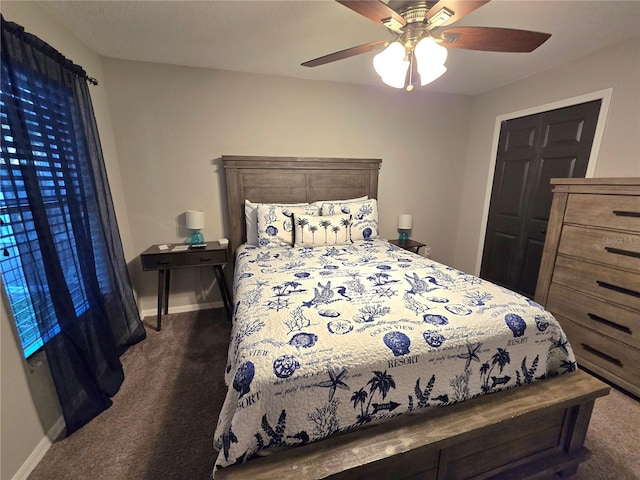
{"x": 21, "y": 426}
{"x": 171, "y": 123}
{"x": 29, "y": 404}
{"x": 617, "y": 67}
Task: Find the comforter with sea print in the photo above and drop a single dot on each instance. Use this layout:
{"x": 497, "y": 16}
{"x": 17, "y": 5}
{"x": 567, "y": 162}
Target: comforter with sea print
{"x": 329, "y": 338}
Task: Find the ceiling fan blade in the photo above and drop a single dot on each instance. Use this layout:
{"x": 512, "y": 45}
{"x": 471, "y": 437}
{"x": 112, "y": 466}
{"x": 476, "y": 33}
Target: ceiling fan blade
{"x": 490, "y": 39}
{"x": 349, "y": 52}
{"x": 460, "y": 8}
{"x": 374, "y": 10}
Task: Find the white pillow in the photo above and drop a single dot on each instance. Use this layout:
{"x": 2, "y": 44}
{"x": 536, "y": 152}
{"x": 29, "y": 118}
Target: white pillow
{"x": 275, "y": 223}
{"x": 251, "y": 219}
{"x": 349, "y": 200}
{"x": 314, "y": 231}
{"x": 364, "y": 217}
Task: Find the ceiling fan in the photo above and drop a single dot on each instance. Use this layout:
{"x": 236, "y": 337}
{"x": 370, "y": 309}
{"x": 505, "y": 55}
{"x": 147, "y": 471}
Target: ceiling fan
{"x": 419, "y": 46}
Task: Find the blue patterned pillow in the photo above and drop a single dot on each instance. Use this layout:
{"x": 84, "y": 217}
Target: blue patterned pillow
{"x": 364, "y": 217}
{"x": 275, "y": 223}
{"x": 251, "y": 218}
{"x": 314, "y": 231}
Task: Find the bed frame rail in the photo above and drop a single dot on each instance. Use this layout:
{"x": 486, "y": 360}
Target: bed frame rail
{"x": 527, "y": 432}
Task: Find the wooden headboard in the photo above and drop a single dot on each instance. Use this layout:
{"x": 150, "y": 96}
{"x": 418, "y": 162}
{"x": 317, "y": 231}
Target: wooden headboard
{"x": 293, "y": 180}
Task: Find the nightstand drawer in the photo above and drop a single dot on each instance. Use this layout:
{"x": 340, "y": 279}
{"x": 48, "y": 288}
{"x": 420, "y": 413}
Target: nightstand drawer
{"x": 161, "y": 261}
{"x": 207, "y": 257}
{"x": 603, "y": 246}
{"x": 595, "y": 350}
{"x": 607, "y": 211}
{"x": 606, "y": 318}
{"x": 603, "y": 282}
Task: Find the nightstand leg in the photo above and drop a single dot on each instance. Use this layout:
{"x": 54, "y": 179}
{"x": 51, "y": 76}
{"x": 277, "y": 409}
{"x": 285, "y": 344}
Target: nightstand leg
{"x": 161, "y": 284}
{"x": 167, "y": 280}
{"x": 224, "y": 290}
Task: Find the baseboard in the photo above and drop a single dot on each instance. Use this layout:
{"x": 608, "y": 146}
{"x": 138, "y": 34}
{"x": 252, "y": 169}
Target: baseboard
{"x": 57, "y": 428}
{"x": 41, "y": 449}
{"x": 183, "y": 308}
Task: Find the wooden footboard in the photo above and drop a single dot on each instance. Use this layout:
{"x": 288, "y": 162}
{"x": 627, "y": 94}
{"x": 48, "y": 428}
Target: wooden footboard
{"x": 526, "y": 432}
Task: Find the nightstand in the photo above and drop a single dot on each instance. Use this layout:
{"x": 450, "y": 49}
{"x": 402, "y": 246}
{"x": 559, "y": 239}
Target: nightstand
{"x": 183, "y": 256}
{"x": 410, "y": 245}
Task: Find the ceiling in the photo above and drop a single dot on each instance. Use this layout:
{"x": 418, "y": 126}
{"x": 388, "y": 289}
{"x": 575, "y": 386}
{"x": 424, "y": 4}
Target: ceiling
{"x": 275, "y": 37}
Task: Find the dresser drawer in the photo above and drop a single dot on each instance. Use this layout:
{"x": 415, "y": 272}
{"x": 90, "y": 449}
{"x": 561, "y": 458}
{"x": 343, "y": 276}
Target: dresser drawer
{"x": 207, "y": 257}
{"x": 608, "y": 283}
{"x": 602, "y": 354}
{"x": 606, "y": 318}
{"x": 606, "y": 211}
{"x": 603, "y": 246}
{"x": 160, "y": 261}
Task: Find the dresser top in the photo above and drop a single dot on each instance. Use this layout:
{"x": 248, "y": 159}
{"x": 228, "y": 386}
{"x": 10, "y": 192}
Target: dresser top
{"x": 596, "y": 181}
{"x": 602, "y": 186}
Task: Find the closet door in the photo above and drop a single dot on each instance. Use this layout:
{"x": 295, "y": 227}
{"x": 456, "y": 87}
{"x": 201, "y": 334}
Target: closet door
{"x": 532, "y": 150}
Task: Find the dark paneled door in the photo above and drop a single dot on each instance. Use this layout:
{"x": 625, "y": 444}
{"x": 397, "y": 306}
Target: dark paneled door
{"x": 531, "y": 151}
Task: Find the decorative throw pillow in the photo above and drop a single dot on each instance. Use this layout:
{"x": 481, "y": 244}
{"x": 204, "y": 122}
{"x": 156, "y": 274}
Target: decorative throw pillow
{"x": 364, "y": 217}
{"x": 275, "y": 223}
{"x": 314, "y": 231}
{"x": 251, "y": 218}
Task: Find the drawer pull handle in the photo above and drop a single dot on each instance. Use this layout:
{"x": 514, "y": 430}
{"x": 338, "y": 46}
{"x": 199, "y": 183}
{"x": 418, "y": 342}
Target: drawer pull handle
{"x": 164, "y": 263}
{"x": 618, "y": 289}
{"x": 602, "y": 355}
{"x": 207, "y": 259}
{"x": 620, "y": 251}
{"x": 623, "y": 213}
{"x": 609, "y": 323}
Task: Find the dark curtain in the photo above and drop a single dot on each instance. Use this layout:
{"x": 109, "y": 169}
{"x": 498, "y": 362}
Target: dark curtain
{"x": 65, "y": 225}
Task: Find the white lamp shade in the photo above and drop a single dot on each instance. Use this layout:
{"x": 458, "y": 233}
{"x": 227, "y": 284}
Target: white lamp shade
{"x": 195, "y": 219}
{"x": 429, "y": 74}
{"x": 428, "y": 51}
{"x": 391, "y": 65}
{"x": 431, "y": 58}
{"x": 397, "y": 77}
{"x": 405, "y": 222}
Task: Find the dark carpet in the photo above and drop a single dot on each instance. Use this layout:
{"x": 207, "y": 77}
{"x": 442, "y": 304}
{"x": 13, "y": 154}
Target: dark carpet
{"x": 162, "y": 421}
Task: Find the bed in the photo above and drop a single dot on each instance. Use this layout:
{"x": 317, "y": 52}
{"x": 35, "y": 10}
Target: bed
{"x": 338, "y": 346}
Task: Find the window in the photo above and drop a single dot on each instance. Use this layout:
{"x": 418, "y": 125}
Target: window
{"x": 45, "y": 114}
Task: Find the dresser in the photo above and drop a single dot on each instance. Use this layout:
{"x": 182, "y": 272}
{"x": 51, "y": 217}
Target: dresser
{"x": 590, "y": 274}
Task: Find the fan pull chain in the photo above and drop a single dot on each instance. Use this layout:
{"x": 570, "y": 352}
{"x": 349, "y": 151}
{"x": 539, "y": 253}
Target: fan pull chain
{"x": 410, "y": 86}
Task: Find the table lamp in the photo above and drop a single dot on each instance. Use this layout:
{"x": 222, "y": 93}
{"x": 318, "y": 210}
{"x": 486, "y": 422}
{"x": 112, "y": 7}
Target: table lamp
{"x": 195, "y": 222}
{"x": 405, "y": 222}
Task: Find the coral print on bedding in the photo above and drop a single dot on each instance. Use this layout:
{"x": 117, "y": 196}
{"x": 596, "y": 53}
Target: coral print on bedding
{"x": 330, "y": 338}
{"x": 364, "y": 217}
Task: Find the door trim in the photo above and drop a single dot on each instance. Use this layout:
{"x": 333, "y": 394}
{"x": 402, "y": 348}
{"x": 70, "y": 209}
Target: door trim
{"x": 604, "y": 95}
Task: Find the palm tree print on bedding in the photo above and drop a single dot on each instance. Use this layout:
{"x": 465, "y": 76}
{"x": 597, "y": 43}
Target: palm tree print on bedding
{"x": 311, "y": 231}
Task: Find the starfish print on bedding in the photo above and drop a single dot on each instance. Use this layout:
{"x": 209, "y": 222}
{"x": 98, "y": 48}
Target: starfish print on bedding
{"x": 334, "y": 382}
{"x": 472, "y": 354}
{"x": 560, "y": 343}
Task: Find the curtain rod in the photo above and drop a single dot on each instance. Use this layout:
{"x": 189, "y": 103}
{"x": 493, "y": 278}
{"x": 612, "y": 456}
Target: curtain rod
{"x": 47, "y": 49}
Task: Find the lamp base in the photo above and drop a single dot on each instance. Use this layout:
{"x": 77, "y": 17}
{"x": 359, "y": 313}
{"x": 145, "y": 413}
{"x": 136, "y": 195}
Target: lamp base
{"x": 403, "y": 235}
{"x": 196, "y": 237}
